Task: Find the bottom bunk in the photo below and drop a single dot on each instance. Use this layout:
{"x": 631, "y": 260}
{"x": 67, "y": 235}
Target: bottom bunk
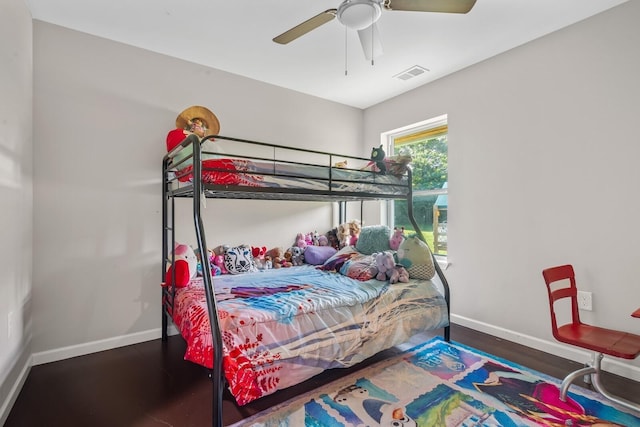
{"x": 280, "y": 327}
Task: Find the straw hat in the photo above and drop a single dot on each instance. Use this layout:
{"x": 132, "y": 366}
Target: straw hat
{"x": 197, "y": 112}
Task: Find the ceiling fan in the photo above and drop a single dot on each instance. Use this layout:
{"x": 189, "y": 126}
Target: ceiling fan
{"x": 362, "y": 15}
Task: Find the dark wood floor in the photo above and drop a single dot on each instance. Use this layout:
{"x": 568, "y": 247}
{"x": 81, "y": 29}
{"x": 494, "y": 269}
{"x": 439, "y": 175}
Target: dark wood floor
{"x": 150, "y": 385}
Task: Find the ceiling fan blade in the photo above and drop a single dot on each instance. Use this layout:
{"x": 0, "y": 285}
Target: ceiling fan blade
{"x": 445, "y": 6}
{"x": 306, "y": 26}
{"x": 370, "y": 41}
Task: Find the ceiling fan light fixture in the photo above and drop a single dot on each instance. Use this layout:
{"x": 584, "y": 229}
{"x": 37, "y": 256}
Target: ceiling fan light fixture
{"x": 359, "y": 14}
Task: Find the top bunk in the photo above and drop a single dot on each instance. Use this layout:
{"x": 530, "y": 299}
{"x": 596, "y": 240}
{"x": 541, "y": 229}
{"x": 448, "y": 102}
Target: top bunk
{"x": 236, "y": 168}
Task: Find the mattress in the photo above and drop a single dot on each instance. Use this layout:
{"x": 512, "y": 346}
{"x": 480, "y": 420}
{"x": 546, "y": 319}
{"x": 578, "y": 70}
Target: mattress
{"x": 281, "y": 327}
{"x": 250, "y": 173}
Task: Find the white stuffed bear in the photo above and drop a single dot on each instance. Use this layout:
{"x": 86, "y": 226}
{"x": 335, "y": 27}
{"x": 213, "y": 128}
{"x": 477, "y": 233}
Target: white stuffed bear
{"x": 185, "y": 266}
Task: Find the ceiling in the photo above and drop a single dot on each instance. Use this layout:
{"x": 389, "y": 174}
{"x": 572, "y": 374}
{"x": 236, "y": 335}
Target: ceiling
{"x": 236, "y": 36}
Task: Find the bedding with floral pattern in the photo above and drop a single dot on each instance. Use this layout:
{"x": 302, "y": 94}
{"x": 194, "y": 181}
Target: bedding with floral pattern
{"x": 281, "y": 327}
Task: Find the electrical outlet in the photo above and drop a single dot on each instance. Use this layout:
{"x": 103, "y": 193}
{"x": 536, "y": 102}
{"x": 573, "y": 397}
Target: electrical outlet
{"x": 585, "y": 300}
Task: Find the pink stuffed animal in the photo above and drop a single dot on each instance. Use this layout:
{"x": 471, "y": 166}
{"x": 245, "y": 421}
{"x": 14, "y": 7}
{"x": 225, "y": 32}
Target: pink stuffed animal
{"x": 354, "y": 232}
{"x": 218, "y": 260}
{"x": 308, "y": 239}
{"x": 301, "y": 241}
{"x": 398, "y": 274}
{"x": 397, "y": 238}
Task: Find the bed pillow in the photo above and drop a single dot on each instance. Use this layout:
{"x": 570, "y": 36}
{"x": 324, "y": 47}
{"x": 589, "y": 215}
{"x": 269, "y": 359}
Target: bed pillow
{"x": 317, "y": 255}
{"x": 238, "y": 259}
{"x": 360, "y": 267}
{"x": 335, "y": 262}
{"x": 373, "y": 238}
{"x": 415, "y": 256}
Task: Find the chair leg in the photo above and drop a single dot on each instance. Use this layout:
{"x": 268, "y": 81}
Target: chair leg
{"x": 587, "y": 378}
{"x": 569, "y": 379}
{"x": 590, "y": 368}
{"x": 597, "y": 385}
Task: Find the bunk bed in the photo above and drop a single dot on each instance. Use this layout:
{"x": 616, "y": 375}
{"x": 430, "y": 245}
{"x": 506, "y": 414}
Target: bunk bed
{"x": 257, "y": 170}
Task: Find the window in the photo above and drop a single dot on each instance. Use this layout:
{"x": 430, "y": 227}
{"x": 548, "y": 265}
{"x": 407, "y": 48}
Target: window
{"x": 427, "y": 143}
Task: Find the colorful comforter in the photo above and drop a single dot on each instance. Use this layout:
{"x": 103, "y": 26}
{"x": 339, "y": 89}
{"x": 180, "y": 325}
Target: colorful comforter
{"x": 281, "y": 327}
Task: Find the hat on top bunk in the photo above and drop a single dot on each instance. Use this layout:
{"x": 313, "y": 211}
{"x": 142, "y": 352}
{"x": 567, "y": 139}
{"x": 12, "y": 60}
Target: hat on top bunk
{"x": 185, "y": 119}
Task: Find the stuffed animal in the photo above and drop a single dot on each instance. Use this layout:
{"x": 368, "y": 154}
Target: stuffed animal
{"x": 274, "y": 253}
{"x": 297, "y": 255}
{"x": 397, "y": 238}
{"x": 195, "y": 120}
{"x": 343, "y": 235}
{"x": 185, "y": 266}
{"x": 238, "y": 259}
{"x": 354, "y": 232}
{"x": 332, "y": 238}
{"x": 415, "y": 256}
{"x": 377, "y": 157}
{"x": 398, "y": 274}
{"x": 384, "y": 263}
{"x": 342, "y": 164}
{"x": 404, "y": 274}
{"x": 220, "y": 250}
{"x": 300, "y": 242}
{"x": 348, "y": 233}
{"x": 397, "y": 165}
{"x": 287, "y": 258}
{"x": 323, "y": 240}
{"x": 215, "y": 270}
{"x": 199, "y": 267}
{"x": 218, "y": 261}
{"x": 388, "y": 269}
{"x": 268, "y": 263}
{"x": 308, "y": 239}
{"x": 259, "y": 253}
{"x": 276, "y": 256}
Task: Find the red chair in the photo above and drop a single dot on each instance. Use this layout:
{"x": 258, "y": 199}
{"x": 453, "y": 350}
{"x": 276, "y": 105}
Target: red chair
{"x": 561, "y": 284}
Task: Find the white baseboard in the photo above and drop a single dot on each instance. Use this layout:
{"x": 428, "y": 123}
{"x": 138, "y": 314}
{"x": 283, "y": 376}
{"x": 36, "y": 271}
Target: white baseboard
{"x": 568, "y": 352}
{"x": 609, "y": 364}
{"x": 15, "y": 391}
{"x": 96, "y": 346}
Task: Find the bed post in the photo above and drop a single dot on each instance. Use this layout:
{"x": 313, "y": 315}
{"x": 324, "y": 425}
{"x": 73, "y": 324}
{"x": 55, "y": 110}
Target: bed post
{"x": 165, "y": 245}
{"x": 439, "y": 272}
{"x": 198, "y": 192}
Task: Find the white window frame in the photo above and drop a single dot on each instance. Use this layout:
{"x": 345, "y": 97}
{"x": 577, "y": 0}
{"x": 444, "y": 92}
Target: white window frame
{"x": 388, "y": 139}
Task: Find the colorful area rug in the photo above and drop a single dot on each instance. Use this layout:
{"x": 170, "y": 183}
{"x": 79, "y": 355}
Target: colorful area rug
{"x": 438, "y": 384}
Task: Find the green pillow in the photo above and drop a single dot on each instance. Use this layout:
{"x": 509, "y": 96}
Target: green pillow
{"x": 373, "y": 238}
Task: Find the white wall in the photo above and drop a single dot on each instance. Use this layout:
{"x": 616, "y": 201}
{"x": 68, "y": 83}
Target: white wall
{"x": 543, "y": 170}
{"x": 17, "y": 197}
{"x": 542, "y": 162}
{"x": 102, "y": 112}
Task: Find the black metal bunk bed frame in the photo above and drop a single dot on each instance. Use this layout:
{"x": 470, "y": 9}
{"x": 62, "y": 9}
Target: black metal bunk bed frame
{"x": 198, "y": 190}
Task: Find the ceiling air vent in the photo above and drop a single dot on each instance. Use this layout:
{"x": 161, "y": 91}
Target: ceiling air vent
{"x": 412, "y": 72}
